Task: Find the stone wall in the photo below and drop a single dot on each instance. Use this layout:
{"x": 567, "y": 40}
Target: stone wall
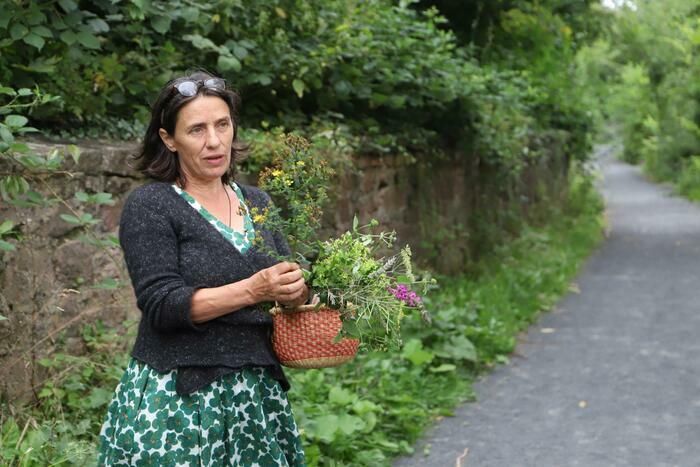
{"x": 46, "y": 284}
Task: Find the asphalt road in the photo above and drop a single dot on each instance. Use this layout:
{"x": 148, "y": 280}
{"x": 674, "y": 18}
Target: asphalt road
{"x": 610, "y": 377}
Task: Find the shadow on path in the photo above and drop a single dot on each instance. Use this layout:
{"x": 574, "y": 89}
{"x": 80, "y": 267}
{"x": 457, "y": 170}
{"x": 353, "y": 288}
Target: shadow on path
{"x": 615, "y": 378}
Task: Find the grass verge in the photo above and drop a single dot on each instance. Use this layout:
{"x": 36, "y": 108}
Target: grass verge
{"x": 372, "y": 410}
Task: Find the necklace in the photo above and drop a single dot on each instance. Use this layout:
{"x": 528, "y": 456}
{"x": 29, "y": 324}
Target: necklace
{"x": 228, "y": 198}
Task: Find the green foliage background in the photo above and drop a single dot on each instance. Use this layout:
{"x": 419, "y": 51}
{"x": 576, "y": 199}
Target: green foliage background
{"x": 644, "y": 74}
{"x": 491, "y": 78}
{"x": 495, "y": 81}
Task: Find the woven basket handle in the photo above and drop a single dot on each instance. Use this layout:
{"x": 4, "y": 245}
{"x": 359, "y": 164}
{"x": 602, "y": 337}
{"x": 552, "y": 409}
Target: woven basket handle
{"x": 296, "y": 309}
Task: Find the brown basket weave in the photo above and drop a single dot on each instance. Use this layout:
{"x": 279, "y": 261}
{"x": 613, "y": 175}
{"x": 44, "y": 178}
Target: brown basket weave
{"x": 303, "y": 337}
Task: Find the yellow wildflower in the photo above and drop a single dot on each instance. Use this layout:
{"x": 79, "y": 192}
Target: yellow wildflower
{"x": 277, "y": 173}
{"x": 300, "y": 163}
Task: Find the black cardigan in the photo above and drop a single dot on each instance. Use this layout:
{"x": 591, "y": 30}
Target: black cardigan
{"x": 171, "y": 251}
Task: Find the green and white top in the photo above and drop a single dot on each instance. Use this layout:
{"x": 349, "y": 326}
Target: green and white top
{"x": 242, "y": 240}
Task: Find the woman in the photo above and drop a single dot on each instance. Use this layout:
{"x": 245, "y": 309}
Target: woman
{"x": 203, "y": 386}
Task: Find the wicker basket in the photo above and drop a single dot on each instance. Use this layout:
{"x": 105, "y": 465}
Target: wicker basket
{"x": 303, "y": 337}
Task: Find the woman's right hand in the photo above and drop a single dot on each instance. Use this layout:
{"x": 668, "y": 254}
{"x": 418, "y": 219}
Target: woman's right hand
{"x": 283, "y": 283}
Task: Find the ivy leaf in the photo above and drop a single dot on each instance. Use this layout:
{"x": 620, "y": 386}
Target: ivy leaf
{"x": 19, "y": 148}
{"x": 98, "y": 25}
{"x": 71, "y": 219}
{"x": 6, "y": 135}
{"x": 349, "y": 424}
{"x": 262, "y": 79}
{"x": 414, "y": 352}
{"x": 103, "y": 198}
{"x": 6, "y": 227}
{"x": 15, "y": 121}
{"x": 340, "y": 396}
{"x": 75, "y": 152}
{"x": 73, "y": 19}
{"x": 46, "y": 362}
{"x": 27, "y": 129}
{"x": 199, "y": 41}
{"x": 40, "y": 65}
{"x": 325, "y": 427}
{"x": 228, "y": 63}
{"x": 13, "y": 185}
{"x": 298, "y": 86}
{"x": 161, "y": 24}
{"x": 240, "y": 52}
{"x": 68, "y": 37}
{"x": 36, "y": 41}
{"x": 32, "y": 199}
{"x": 68, "y": 5}
{"x": 247, "y": 44}
{"x": 18, "y": 31}
{"x": 190, "y": 14}
{"x": 42, "y": 31}
{"x": 88, "y": 40}
{"x": 34, "y": 16}
{"x": 141, "y": 4}
{"x": 98, "y": 397}
{"x": 88, "y": 219}
{"x": 459, "y": 347}
{"x": 342, "y": 87}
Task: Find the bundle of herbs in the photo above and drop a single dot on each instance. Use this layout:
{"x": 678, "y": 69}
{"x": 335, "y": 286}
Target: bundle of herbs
{"x": 359, "y": 272}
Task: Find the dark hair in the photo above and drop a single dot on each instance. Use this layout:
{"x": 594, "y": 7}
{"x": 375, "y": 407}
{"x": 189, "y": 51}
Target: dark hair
{"x": 155, "y": 160}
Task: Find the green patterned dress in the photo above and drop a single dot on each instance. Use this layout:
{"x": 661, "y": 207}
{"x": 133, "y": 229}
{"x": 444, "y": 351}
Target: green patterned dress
{"x": 242, "y": 419}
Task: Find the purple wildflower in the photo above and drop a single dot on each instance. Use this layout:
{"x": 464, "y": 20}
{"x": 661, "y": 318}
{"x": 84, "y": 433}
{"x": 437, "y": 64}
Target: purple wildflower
{"x": 406, "y": 295}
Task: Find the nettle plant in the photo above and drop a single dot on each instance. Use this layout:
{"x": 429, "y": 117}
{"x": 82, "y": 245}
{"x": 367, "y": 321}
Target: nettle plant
{"x": 357, "y": 272}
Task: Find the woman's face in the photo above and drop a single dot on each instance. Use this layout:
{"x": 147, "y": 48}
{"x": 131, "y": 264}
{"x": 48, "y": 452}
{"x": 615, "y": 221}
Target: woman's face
{"x": 202, "y": 139}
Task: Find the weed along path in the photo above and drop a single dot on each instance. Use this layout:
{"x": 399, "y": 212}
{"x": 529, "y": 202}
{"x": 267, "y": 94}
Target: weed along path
{"x": 610, "y": 377}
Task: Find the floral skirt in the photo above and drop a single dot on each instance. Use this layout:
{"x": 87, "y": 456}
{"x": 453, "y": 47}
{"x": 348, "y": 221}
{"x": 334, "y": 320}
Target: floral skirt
{"x": 242, "y": 419}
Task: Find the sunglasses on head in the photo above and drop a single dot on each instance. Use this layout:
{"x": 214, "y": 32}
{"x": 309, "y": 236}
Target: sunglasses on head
{"x": 190, "y": 87}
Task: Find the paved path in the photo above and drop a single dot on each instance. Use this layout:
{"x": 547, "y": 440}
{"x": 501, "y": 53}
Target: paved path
{"x": 617, "y": 381}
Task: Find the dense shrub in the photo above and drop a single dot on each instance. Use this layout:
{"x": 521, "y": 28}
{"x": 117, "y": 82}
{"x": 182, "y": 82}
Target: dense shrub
{"x": 395, "y": 75}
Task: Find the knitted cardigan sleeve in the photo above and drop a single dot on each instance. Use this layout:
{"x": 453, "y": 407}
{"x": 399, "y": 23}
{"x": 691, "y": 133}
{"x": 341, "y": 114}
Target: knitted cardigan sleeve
{"x": 150, "y": 247}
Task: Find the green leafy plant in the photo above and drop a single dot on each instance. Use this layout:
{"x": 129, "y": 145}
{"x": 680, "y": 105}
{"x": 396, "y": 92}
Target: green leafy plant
{"x": 351, "y": 272}
{"x": 62, "y": 428}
